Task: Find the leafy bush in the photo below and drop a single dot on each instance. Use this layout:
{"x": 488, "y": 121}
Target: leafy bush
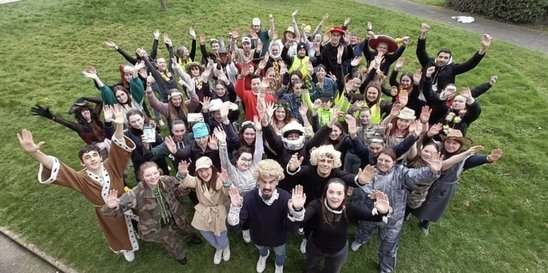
{"x": 514, "y": 11}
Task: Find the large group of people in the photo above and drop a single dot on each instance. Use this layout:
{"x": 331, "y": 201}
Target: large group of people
{"x": 267, "y": 135}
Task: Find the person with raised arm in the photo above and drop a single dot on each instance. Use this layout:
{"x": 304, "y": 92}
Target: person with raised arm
{"x": 95, "y": 181}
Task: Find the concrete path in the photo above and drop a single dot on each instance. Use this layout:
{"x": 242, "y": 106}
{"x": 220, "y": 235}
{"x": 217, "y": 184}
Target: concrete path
{"x": 16, "y": 259}
{"x": 521, "y": 36}
{"x": 18, "y": 256}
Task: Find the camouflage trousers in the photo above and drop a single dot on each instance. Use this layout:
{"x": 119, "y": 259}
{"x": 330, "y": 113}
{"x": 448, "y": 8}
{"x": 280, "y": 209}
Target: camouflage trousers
{"x": 172, "y": 238}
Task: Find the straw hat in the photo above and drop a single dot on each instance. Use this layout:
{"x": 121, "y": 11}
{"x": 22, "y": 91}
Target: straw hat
{"x": 389, "y": 41}
{"x": 456, "y": 135}
{"x": 407, "y": 114}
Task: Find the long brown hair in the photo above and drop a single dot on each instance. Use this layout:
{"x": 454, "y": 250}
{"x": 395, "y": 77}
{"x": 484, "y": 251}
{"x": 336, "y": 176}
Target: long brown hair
{"x": 174, "y": 111}
{"x": 325, "y": 212}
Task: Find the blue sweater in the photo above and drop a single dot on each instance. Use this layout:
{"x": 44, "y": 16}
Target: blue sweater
{"x": 268, "y": 225}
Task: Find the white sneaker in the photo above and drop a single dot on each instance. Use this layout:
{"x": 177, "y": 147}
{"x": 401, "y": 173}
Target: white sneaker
{"x": 217, "y": 257}
{"x": 279, "y": 269}
{"x": 129, "y": 256}
{"x": 226, "y": 253}
{"x": 355, "y": 246}
{"x": 261, "y": 263}
{"x": 246, "y": 235}
{"x": 302, "y": 248}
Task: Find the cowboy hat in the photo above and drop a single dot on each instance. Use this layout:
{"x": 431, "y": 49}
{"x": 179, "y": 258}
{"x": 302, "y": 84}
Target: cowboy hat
{"x": 338, "y": 29}
{"x": 389, "y": 41}
{"x": 456, "y": 135}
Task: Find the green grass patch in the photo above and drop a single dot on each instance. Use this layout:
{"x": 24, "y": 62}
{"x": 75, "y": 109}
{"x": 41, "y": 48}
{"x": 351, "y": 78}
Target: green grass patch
{"x": 439, "y": 3}
{"x": 496, "y": 222}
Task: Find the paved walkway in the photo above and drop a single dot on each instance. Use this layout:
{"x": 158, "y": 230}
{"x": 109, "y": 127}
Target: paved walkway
{"x": 521, "y": 36}
{"x": 16, "y": 259}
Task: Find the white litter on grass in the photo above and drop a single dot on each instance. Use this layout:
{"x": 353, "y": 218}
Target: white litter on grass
{"x": 463, "y": 19}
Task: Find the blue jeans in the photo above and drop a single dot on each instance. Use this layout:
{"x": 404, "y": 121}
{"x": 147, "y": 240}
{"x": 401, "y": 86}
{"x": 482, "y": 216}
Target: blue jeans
{"x": 218, "y": 242}
{"x": 278, "y": 250}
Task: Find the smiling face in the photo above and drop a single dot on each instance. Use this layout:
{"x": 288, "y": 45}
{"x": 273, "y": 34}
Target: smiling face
{"x": 371, "y": 94}
{"x": 385, "y": 163}
{"x": 459, "y": 103}
{"x": 178, "y": 131}
{"x": 375, "y": 148}
{"x": 365, "y": 117}
{"x": 406, "y": 81}
{"x": 256, "y": 28}
{"x": 255, "y": 85}
{"x": 215, "y": 47}
{"x": 275, "y": 49}
{"x": 176, "y": 101}
{"x": 161, "y": 64}
{"x": 205, "y": 174}
{"x": 382, "y": 48}
{"x": 335, "y": 195}
{"x": 321, "y": 73}
{"x": 335, "y": 133}
{"x": 151, "y": 176}
{"x": 428, "y": 152}
{"x": 325, "y": 165}
{"x": 280, "y": 114}
{"x": 220, "y": 90}
{"x": 194, "y": 71}
{"x": 249, "y": 136}
{"x": 136, "y": 122}
{"x": 243, "y": 163}
{"x": 451, "y": 145}
{"x": 442, "y": 59}
{"x": 91, "y": 161}
{"x": 403, "y": 124}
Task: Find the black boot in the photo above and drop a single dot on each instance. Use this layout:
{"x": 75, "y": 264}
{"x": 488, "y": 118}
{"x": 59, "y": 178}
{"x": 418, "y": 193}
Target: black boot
{"x": 194, "y": 239}
{"x": 182, "y": 261}
{"x": 425, "y": 227}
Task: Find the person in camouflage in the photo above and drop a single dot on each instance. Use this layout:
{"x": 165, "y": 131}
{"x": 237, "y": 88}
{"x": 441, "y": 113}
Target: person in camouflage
{"x": 161, "y": 216}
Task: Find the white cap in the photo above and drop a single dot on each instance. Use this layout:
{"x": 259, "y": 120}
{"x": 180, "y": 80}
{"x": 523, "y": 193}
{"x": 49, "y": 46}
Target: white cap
{"x": 246, "y": 40}
{"x": 256, "y": 22}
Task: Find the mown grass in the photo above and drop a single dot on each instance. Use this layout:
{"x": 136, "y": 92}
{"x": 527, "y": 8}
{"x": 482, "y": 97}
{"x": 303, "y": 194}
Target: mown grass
{"x": 496, "y": 223}
{"x": 439, "y": 3}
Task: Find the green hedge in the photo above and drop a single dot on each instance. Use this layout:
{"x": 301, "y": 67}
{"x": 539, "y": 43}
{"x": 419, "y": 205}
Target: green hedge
{"x": 514, "y": 11}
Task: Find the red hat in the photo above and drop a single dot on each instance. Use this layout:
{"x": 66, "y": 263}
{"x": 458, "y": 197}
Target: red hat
{"x": 389, "y": 41}
{"x": 338, "y": 29}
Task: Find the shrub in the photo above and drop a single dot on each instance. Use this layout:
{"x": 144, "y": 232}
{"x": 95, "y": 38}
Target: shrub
{"x": 513, "y": 11}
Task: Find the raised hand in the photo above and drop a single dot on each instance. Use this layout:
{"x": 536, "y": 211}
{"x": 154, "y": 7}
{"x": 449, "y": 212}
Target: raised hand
{"x": 235, "y": 198}
{"x": 107, "y": 113}
{"x": 170, "y": 144}
{"x": 156, "y": 34}
{"x": 366, "y": 175}
{"x": 325, "y": 17}
{"x": 139, "y": 65}
{"x": 382, "y": 203}
{"x": 475, "y": 149}
{"x": 352, "y": 127}
{"x": 192, "y": 33}
{"x": 294, "y": 14}
{"x": 223, "y": 175}
{"x": 117, "y": 113}
{"x": 206, "y": 102}
{"x": 271, "y": 18}
{"x": 112, "y": 199}
{"x": 493, "y": 80}
{"x": 270, "y": 108}
{"x": 257, "y": 124}
{"x": 466, "y": 92}
{"x": 27, "y": 143}
{"x": 425, "y": 114}
{"x": 424, "y": 28}
{"x": 415, "y": 128}
{"x": 406, "y": 40}
{"x": 495, "y": 155}
{"x": 212, "y": 144}
{"x": 430, "y": 71}
{"x": 110, "y": 44}
{"x": 346, "y": 21}
{"x": 356, "y": 61}
{"x": 396, "y": 108}
{"x": 486, "y": 41}
{"x": 317, "y": 104}
{"x": 182, "y": 168}
{"x": 150, "y": 79}
{"x": 202, "y": 38}
{"x": 141, "y": 52}
{"x": 90, "y": 72}
{"x": 41, "y": 111}
{"x": 303, "y": 109}
{"x": 220, "y": 134}
{"x": 298, "y": 198}
{"x": 399, "y": 64}
{"x": 435, "y": 129}
{"x": 295, "y": 162}
{"x": 167, "y": 40}
{"x": 435, "y": 162}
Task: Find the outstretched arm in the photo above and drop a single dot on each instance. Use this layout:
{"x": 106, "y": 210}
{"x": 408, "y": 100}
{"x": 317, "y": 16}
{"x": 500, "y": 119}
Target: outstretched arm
{"x": 27, "y": 143}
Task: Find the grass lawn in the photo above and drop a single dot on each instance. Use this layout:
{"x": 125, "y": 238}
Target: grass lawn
{"x": 439, "y": 3}
{"x": 496, "y": 223}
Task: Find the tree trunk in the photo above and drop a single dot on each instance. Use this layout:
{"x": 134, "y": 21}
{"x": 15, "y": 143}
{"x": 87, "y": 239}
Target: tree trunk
{"x": 163, "y": 5}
